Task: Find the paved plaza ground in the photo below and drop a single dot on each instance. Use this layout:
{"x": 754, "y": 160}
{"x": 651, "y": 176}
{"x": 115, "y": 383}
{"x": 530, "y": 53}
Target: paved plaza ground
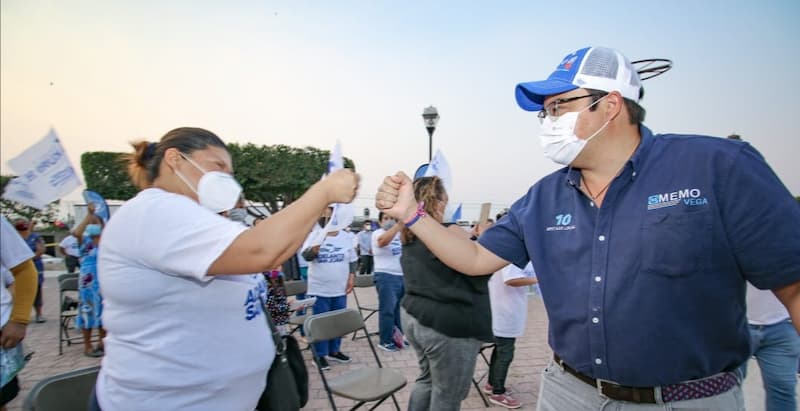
{"x": 532, "y": 354}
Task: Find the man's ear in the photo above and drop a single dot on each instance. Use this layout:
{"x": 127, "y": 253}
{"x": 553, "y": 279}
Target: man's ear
{"x": 614, "y": 105}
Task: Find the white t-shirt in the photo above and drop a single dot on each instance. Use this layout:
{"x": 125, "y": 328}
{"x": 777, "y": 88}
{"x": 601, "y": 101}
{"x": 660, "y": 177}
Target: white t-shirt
{"x": 327, "y": 274}
{"x": 763, "y": 307}
{"x": 509, "y": 304}
{"x": 70, "y": 245}
{"x": 178, "y": 339}
{"x": 13, "y": 252}
{"x": 387, "y": 259}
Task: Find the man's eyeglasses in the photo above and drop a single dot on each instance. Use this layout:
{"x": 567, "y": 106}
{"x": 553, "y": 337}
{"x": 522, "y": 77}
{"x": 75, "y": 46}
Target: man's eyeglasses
{"x": 553, "y": 109}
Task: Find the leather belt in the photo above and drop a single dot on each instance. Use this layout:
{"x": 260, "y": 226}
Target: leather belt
{"x": 611, "y": 390}
{"x": 688, "y": 390}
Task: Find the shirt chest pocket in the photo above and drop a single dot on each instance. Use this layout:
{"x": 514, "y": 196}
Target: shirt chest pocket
{"x": 676, "y": 243}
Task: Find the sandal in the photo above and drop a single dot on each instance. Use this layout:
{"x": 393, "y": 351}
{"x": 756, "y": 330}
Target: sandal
{"x": 93, "y": 353}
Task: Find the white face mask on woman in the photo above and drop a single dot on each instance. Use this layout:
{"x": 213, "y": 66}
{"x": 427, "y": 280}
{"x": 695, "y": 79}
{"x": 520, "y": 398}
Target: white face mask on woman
{"x": 216, "y": 191}
{"x": 558, "y": 138}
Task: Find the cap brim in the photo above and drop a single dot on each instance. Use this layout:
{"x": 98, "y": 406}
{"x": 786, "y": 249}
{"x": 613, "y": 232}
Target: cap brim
{"x": 530, "y": 96}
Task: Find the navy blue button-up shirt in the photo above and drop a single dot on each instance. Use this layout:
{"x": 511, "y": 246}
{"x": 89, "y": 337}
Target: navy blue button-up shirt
{"x": 649, "y": 289}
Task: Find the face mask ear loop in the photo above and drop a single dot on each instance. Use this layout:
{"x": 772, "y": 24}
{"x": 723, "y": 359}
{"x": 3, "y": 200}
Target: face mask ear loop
{"x": 603, "y": 127}
{"x": 192, "y": 162}
{"x": 182, "y": 177}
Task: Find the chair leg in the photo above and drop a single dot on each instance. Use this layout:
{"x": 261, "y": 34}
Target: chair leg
{"x": 379, "y": 403}
{"x": 61, "y": 337}
{"x": 476, "y": 383}
{"x": 396, "y": 405}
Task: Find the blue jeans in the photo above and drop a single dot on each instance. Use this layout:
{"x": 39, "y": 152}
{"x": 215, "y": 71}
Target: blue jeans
{"x": 390, "y": 291}
{"x": 323, "y": 305}
{"x": 776, "y": 348}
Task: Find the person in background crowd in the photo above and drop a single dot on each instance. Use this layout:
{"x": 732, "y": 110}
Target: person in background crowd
{"x": 776, "y": 345}
{"x": 36, "y": 243}
{"x": 71, "y": 250}
{"x": 508, "y": 292}
{"x": 642, "y": 244}
{"x": 277, "y": 302}
{"x": 17, "y": 267}
{"x": 90, "y": 310}
{"x": 387, "y": 248}
{"x": 331, "y": 274}
{"x": 445, "y": 314}
{"x": 182, "y": 307}
{"x": 365, "y": 249}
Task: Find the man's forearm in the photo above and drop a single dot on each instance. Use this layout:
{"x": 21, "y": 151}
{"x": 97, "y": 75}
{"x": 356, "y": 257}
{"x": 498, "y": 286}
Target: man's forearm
{"x": 457, "y": 251}
{"x": 790, "y": 297}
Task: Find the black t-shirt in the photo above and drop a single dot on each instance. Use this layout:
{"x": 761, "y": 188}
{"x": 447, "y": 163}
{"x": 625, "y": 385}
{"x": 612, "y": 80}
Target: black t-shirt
{"x": 452, "y": 303}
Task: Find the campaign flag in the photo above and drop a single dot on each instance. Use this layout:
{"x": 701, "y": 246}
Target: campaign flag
{"x": 45, "y": 174}
{"x": 441, "y": 168}
{"x": 456, "y": 214}
{"x": 343, "y": 214}
{"x": 421, "y": 171}
{"x": 100, "y": 206}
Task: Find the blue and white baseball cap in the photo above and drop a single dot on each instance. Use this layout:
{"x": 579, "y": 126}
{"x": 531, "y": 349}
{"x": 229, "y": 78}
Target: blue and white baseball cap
{"x": 598, "y": 68}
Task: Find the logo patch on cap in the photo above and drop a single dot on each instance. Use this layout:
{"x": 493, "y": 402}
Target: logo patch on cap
{"x": 568, "y": 61}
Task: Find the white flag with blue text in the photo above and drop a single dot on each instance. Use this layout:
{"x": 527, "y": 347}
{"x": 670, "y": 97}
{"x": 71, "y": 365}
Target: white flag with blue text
{"x": 44, "y": 172}
{"x": 441, "y": 168}
{"x": 343, "y": 214}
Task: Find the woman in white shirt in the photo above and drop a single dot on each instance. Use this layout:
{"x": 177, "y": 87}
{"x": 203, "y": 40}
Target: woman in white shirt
{"x": 387, "y": 249}
{"x": 182, "y": 308}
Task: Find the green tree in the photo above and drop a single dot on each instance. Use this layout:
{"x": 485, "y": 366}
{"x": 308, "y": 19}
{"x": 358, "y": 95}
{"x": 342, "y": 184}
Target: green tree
{"x": 271, "y": 176}
{"x": 274, "y": 176}
{"x": 12, "y": 209}
{"x": 106, "y": 173}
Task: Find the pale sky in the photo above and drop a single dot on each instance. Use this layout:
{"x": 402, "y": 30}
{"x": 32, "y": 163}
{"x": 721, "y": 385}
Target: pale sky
{"x": 309, "y": 73}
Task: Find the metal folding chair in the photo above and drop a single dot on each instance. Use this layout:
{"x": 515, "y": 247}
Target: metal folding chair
{"x": 364, "y": 384}
{"x": 294, "y": 288}
{"x": 477, "y": 381}
{"x": 364, "y": 281}
{"x": 67, "y": 287}
{"x": 69, "y": 391}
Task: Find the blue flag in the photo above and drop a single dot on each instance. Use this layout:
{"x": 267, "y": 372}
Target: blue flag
{"x": 456, "y": 214}
{"x": 100, "y": 206}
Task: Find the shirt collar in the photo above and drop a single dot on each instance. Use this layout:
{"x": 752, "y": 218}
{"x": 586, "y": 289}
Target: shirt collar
{"x": 636, "y": 160}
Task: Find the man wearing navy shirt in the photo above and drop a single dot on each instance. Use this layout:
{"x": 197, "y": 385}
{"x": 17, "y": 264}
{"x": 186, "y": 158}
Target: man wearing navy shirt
{"x": 642, "y": 243}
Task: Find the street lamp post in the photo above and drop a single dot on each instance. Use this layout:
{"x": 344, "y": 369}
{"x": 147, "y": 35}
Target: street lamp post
{"x": 430, "y": 116}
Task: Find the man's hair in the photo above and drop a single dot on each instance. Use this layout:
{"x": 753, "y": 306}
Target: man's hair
{"x": 636, "y": 113}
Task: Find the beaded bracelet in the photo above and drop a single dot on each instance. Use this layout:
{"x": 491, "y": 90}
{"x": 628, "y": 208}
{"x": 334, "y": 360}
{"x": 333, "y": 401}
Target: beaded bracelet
{"x": 419, "y": 214}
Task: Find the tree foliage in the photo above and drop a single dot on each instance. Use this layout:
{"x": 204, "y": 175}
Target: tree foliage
{"x": 12, "y": 209}
{"x": 275, "y": 176}
{"x": 272, "y": 176}
{"x": 106, "y": 173}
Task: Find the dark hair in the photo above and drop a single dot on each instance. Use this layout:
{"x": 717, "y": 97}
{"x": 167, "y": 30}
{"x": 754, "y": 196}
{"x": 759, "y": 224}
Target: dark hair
{"x": 636, "y": 112}
{"x": 501, "y": 214}
{"x": 429, "y": 190}
{"x": 145, "y": 161}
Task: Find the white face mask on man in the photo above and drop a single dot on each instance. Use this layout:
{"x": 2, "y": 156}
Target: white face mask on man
{"x": 216, "y": 191}
{"x": 558, "y": 139}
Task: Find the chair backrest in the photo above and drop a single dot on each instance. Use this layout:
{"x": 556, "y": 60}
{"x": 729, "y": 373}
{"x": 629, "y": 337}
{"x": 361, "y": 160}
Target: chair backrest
{"x": 295, "y": 287}
{"x": 364, "y": 280}
{"x": 63, "y": 392}
{"x": 62, "y": 277}
{"x": 69, "y": 284}
{"x": 332, "y": 324}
